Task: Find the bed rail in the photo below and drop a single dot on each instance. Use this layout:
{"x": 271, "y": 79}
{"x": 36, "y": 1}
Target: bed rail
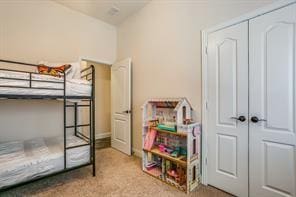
{"x": 87, "y": 73}
{"x": 20, "y": 63}
{"x": 29, "y": 77}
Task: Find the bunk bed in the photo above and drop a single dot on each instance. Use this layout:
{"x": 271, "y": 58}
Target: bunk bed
{"x": 25, "y": 161}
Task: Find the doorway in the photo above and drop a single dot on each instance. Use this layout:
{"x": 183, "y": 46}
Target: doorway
{"x": 112, "y": 104}
{"x": 103, "y": 102}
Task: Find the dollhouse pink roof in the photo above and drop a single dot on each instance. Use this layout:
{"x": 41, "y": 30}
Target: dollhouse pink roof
{"x": 175, "y": 103}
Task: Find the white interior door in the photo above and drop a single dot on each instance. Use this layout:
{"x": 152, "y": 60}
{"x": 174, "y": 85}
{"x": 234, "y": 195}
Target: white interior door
{"x": 121, "y": 106}
{"x": 273, "y": 99}
{"x": 228, "y": 99}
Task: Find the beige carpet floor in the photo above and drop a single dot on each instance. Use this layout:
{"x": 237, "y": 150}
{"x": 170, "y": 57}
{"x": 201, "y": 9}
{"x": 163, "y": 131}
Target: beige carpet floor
{"x": 117, "y": 175}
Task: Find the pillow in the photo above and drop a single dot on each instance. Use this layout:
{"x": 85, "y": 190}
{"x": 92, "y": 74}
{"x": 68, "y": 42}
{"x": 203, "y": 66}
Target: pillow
{"x": 73, "y": 73}
{"x": 54, "y": 71}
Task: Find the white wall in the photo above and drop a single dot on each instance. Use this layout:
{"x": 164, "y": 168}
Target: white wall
{"x": 31, "y": 31}
{"x": 26, "y": 119}
{"x": 164, "y": 41}
{"x": 44, "y": 30}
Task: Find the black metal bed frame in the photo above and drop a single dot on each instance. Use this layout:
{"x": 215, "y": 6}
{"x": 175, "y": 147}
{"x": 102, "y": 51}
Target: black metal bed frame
{"x": 88, "y": 74}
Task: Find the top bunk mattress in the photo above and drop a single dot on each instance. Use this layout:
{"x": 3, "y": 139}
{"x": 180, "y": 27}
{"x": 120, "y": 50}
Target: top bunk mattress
{"x": 15, "y": 84}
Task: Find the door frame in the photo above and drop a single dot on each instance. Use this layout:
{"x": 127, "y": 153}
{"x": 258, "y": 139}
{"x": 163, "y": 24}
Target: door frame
{"x": 204, "y": 35}
{"x": 83, "y": 58}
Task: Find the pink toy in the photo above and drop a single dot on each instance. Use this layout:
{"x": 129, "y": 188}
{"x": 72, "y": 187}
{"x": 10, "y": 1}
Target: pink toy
{"x": 161, "y": 148}
{"x": 151, "y": 165}
{"x": 172, "y": 173}
{"x": 149, "y": 140}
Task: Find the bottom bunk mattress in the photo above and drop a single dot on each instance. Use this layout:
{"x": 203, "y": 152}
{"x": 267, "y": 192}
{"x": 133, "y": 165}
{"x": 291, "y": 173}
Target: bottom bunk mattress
{"x": 24, "y": 160}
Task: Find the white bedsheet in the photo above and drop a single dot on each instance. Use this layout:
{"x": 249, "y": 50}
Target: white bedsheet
{"x": 74, "y": 87}
{"x": 24, "y": 160}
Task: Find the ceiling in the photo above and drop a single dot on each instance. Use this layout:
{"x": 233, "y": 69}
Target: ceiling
{"x": 110, "y": 11}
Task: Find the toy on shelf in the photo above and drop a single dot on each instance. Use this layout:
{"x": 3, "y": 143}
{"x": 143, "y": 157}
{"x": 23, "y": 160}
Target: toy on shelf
{"x": 149, "y": 139}
{"x": 167, "y": 127}
{"x": 157, "y": 172}
{"x": 151, "y": 165}
{"x": 161, "y": 148}
{"x": 178, "y": 175}
{"x": 153, "y": 123}
{"x": 183, "y": 151}
{"x": 176, "y": 152}
{"x": 172, "y": 174}
{"x": 187, "y": 121}
{"x": 171, "y": 142}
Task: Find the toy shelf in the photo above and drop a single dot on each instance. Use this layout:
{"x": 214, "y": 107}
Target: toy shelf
{"x": 179, "y": 160}
{"x": 183, "y": 134}
{"x": 156, "y": 175}
{"x": 171, "y": 143}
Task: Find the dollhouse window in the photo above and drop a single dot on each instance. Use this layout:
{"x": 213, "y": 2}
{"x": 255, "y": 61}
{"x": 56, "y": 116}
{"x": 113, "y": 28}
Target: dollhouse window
{"x": 194, "y": 142}
{"x": 194, "y": 173}
{"x": 194, "y": 146}
{"x": 184, "y": 113}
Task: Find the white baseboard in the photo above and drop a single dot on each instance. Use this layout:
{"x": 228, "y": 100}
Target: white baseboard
{"x": 137, "y": 152}
{"x": 101, "y": 135}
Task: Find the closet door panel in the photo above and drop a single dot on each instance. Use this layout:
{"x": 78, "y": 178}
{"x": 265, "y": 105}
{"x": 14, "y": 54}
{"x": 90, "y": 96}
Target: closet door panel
{"x": 272, "y": 99}
{"x": 228, "y": 99}
{"x": 278, "y": 76}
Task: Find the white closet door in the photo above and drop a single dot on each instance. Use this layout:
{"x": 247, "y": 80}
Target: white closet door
{"x": 228, "y": 99}
{"x": 273, "y": 99}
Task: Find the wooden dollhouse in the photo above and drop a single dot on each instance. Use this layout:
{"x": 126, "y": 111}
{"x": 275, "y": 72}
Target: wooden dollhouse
{"x": 171, "y": 142}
